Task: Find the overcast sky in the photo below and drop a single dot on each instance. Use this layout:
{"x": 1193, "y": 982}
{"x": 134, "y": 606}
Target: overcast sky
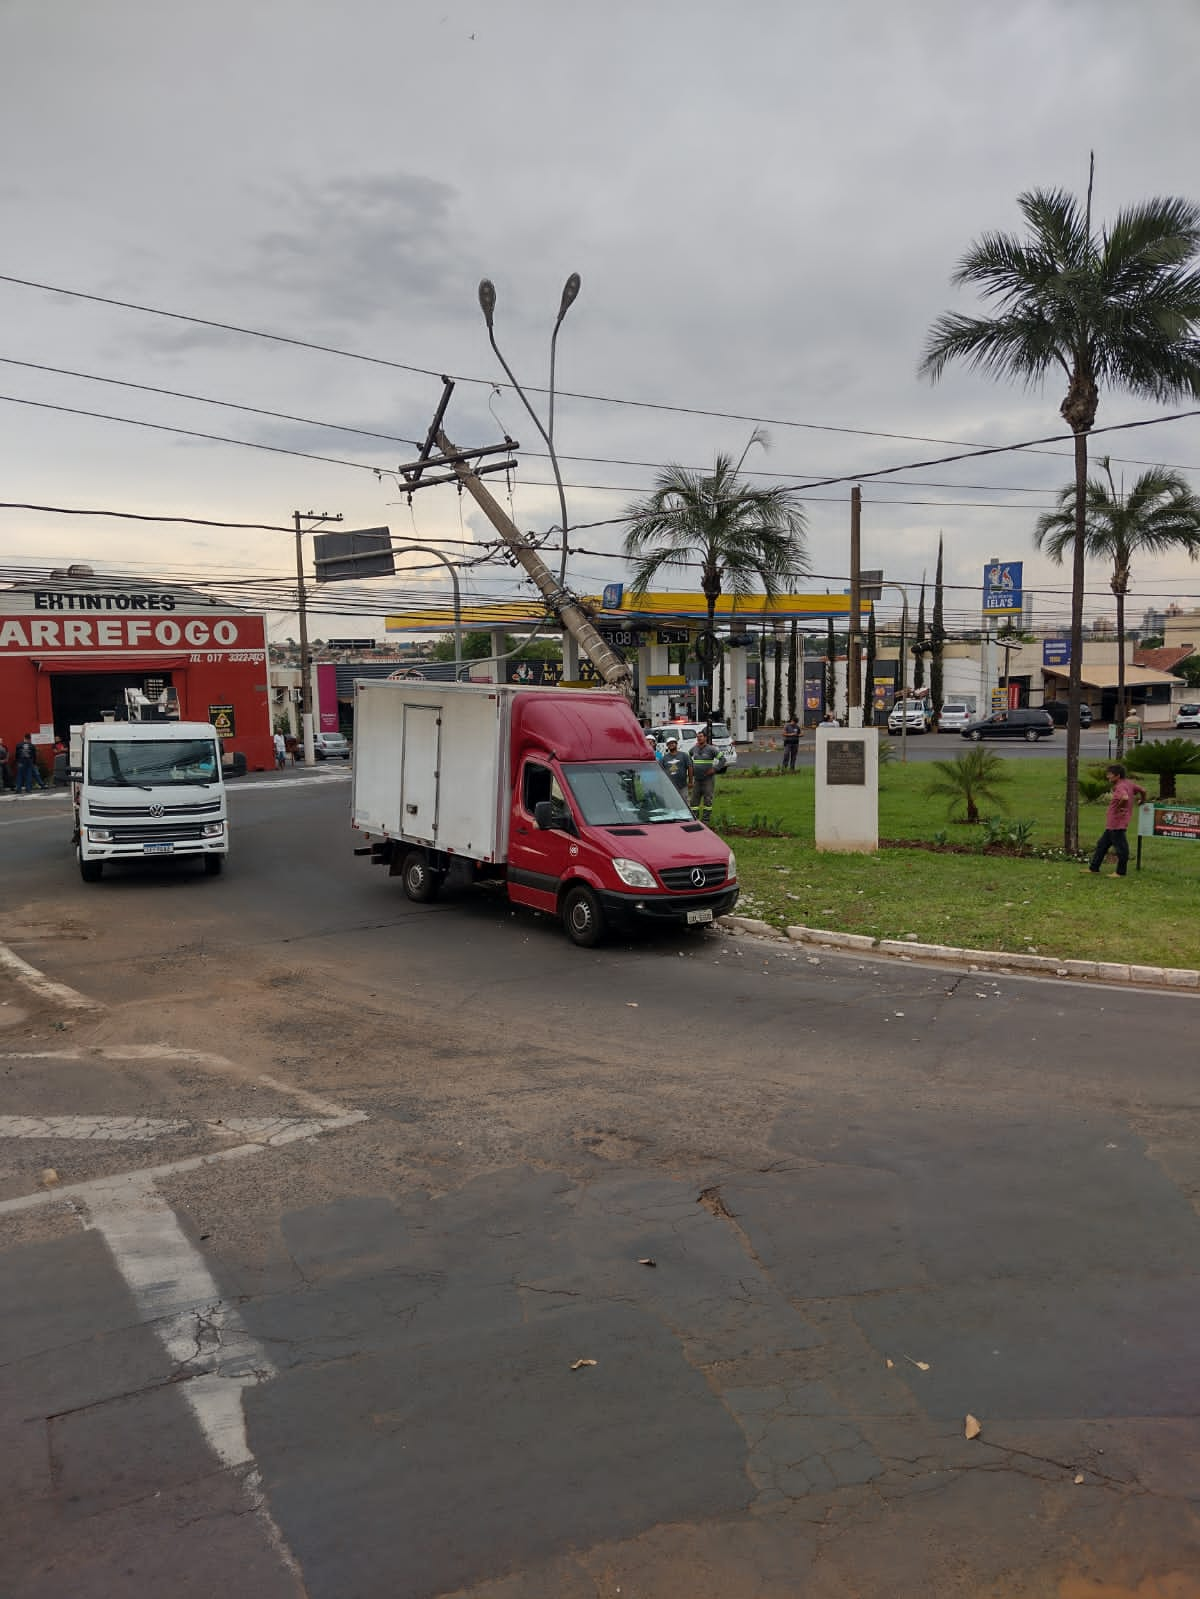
{"x": 765, "y": 202}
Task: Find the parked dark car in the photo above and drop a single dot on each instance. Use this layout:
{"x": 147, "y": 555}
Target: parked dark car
{"x": 1029, "y": 725}
{"x": 1058, "y": 713}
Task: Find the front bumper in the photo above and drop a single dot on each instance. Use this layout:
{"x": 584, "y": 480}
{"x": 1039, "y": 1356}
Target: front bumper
{"x": 623, "y": 909}
{"x": 140, "y": 852}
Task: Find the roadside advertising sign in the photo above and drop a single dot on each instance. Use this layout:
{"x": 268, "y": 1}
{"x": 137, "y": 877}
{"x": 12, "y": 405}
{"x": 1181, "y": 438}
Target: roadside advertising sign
{"x": 1056, "y": 652}
{"x": 1002, "y": 588}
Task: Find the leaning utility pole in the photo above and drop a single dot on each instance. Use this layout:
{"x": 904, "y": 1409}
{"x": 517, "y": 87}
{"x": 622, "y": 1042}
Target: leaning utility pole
{"x": 615, "y": 672}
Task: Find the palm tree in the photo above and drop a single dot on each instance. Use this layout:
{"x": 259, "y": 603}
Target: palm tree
{"x": 1160, "y": 514}
{"x": 746, "y": 539}
{"x": 1119, "y": 309}
{"x": 970, "y": 777}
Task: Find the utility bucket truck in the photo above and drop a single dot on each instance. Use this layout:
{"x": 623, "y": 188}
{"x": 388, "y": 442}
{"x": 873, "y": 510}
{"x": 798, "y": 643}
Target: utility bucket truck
{"x": 147, "y": 788}
{"x": 550, "y": 791}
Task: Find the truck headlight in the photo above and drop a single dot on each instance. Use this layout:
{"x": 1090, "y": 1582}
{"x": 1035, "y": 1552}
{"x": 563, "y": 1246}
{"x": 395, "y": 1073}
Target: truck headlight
{"x": 99, "y": 835}
{"x": 212, "y": 829}
{"x": 731, "y": 869}
{"x": 633, "y": 873}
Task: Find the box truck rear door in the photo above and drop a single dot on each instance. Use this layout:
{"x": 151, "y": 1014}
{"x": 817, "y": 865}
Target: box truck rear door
{"x": 419, "y": 772}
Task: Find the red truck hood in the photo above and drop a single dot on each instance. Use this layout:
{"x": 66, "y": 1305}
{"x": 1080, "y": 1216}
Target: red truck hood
{"x": 665, "y": 844}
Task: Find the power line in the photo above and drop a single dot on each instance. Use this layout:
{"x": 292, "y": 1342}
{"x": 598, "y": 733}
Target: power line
{"x": 193, "y": 433}
{"x": 599, "y": 399}
{"x": 396, "y": 438}
{"x": 204, "y": 399}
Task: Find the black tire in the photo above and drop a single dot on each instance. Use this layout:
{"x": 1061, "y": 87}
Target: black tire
{"x": 214, "y": 865}
{"x": 975, "y": 736}
{"x": 421, "y": 883}
{"x": 582, "y": 917}
{"x": 1032, "y": 735}
{"x": 90, "y": 871}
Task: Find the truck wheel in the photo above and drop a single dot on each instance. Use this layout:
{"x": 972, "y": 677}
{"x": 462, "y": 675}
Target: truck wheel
{"x": 421, "y": 882}
{"x": 213, "y": 865}
{"x": 582, "y": 917}
{"x": 90, "y": 871}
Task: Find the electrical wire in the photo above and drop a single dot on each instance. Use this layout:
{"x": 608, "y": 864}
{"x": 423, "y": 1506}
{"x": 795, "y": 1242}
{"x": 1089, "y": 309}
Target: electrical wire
{"x": 600, "y": 399}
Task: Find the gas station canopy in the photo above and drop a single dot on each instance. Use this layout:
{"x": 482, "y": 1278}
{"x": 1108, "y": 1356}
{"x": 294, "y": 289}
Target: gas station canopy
{"x": 731, "y": 609}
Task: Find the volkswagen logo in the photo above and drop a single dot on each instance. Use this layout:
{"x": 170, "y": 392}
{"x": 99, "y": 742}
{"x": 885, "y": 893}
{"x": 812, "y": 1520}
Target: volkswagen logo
{"x": 156, "y": 810}
{"x": 698, "y": 877}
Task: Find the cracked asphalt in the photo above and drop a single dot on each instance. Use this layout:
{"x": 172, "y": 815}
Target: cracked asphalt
{"x": 804, "y": 1215}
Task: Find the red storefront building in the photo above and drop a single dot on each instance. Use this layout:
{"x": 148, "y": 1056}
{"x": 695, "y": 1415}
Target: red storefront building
{"x": 72, "y": 645}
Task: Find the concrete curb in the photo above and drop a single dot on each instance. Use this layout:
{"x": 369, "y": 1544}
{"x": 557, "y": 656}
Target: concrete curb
{"x": 1173, "y": 977}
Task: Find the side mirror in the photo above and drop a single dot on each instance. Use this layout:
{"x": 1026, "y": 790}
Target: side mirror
{"x": 543, "y": 814}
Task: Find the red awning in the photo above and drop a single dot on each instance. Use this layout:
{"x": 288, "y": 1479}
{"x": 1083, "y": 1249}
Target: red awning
{"x": 128, "y": 665}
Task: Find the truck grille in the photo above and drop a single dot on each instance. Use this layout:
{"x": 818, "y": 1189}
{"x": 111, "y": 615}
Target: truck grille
{"x": 691, "y": 879}
{"x": 157, "y": 835}
{"x": 204, "y": 808}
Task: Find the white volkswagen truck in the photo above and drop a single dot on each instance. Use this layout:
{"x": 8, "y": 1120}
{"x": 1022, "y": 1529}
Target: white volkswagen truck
{"x": 146, "y": 789}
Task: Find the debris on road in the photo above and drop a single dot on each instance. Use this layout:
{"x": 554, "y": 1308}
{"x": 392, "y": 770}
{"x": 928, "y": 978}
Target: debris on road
{"x": 971, "y": 1428}
{"x": 921, "y": 1365}
{"x": 646, "y": 1261}
{"x": 576, "y": 1364}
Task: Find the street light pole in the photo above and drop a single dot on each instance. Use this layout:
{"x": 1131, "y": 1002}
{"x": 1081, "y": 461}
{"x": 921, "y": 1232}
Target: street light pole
{"x": 306, "y": 711}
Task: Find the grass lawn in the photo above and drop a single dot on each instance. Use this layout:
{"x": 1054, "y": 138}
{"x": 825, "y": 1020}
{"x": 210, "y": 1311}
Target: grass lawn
{"x": 1052, "y": 907}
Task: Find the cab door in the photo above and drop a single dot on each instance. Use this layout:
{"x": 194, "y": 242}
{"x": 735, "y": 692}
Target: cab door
{"x": 538, "y": 858}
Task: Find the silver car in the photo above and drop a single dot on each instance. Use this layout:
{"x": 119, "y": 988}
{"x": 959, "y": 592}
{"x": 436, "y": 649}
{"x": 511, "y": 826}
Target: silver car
{"x": 331, "y": 746}
{"x": 955, "y": 715}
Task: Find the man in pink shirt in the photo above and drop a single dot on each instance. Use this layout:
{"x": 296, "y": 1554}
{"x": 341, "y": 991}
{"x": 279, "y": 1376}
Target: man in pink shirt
{"x": 1116, "y": 820}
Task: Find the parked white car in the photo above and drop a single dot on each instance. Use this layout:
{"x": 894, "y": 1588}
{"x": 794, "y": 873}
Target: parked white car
{"x": 686, "y": 732}
{"x": 911, "y": 712}
{"x": 955, "y": 715}
{"x": 1188, "y": 716}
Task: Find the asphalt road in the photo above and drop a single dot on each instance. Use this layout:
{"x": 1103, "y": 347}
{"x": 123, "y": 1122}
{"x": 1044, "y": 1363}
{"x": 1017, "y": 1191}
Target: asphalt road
{"x": 345, "y": 1188}
{"x": 1093, "y": 746}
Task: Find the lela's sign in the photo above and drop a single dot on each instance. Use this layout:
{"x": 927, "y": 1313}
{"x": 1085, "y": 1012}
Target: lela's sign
{"x": 221, "y": 633}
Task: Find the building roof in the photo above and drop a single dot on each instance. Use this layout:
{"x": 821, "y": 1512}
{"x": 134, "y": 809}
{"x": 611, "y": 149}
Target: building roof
{"x": 1106, "y": 676}
{"x": 1165, "y": 659}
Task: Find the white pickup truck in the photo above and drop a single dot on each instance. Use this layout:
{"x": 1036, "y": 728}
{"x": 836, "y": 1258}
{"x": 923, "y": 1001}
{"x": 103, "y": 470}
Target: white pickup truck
{"x": 145, "y": 789}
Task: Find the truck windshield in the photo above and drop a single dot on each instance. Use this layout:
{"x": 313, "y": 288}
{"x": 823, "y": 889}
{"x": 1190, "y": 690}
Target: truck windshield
{"x": 113, "y": 763}
{"x": 615, "y": 795}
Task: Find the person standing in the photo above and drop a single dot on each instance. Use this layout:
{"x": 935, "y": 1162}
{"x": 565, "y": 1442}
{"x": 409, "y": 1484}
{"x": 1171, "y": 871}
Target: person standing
{"x": 707, "y": 761}
{"x": 677, "y": 765}
{"x": 26, "y": 764}
{"x": 280, "y": 751}
{"x": 791, "y": 742}
{"x": 6, "y": 781}
{"x": 1117, "y": 818}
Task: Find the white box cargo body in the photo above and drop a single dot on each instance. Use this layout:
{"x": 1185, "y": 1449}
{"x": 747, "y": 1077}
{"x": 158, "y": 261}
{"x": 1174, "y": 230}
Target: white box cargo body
{"x": 430, "y": 764}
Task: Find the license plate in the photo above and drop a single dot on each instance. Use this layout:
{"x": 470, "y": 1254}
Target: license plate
{"x": 699, "y": 916}
{"x": 158, "y": 849}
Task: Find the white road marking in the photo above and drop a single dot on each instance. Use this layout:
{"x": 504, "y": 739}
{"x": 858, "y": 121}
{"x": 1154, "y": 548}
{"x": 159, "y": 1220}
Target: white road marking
{"x": 94, "y": 1129}
{"x": 42, "y": 985}
{"x": 215, "y": 1357}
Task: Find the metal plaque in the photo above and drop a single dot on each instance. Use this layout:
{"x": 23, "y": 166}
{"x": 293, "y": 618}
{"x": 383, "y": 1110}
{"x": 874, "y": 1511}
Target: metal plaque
{"x": 846, "y": 762}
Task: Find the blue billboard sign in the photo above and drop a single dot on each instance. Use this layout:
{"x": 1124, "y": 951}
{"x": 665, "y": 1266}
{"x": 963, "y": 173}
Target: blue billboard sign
{"x": 1002, "y": 588}
{"x": 614, "y": 593}
{"x": 1056, "y": 652}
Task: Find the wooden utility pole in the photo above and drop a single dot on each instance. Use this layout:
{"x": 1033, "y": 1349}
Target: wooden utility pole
{"x": 854, "y": 641}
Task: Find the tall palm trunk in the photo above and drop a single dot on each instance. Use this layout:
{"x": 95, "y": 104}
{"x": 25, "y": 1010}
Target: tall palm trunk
{"x": 1120, "y": 596}
{"x": 1074, "y": 680}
